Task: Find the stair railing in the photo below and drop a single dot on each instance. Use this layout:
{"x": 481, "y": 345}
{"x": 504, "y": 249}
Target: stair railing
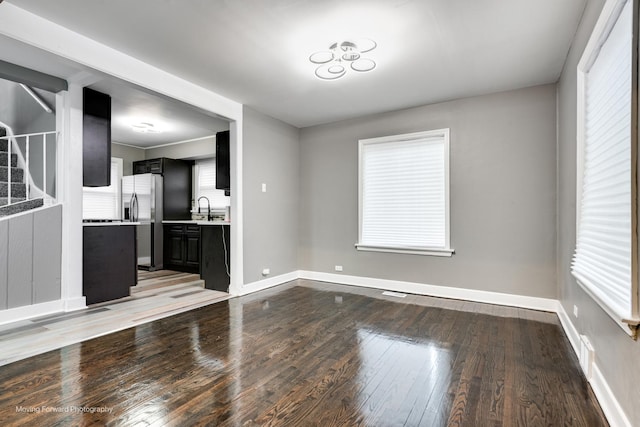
{"x": 23, "y": 161}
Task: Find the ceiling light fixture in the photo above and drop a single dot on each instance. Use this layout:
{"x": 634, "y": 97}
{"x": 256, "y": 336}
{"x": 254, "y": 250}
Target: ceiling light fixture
{"x": 145, "y": 127}
{"x": 333, "y": 63}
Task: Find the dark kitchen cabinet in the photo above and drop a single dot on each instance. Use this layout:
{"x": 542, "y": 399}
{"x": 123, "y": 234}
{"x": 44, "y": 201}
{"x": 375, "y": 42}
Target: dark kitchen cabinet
{"x": 182, "y": 247}
{"x": 215, "y": 256}
{"x": 96, "y": 139}
{"x": 223, "y": 162}
{"x": 176, "y": 184}
{"x": 174, "y": 248}
{"x": 148, "y": 166}
{"x": 109, "y": 262}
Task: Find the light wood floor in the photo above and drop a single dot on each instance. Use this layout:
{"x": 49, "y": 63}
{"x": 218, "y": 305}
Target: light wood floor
{"x": 312, "y": 354}
{"x": 158, "y": 294}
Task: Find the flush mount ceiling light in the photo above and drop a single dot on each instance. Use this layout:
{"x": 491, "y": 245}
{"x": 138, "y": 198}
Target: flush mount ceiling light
{"x": 145, "y": 127}
{"x": 333, "y": 63}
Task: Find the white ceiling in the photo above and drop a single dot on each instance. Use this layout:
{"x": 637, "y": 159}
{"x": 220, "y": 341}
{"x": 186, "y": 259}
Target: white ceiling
{"x": 177, "y": 121}
{"x": 129, "y": 104}
{"x": 256, "y": 51}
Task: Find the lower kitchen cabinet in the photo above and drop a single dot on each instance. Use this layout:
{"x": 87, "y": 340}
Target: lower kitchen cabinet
{"x": 215, "y": 256}
{"x": 182, "y": 247}
{"x": 203, "y": 249}
{"x": 109, "y": 262}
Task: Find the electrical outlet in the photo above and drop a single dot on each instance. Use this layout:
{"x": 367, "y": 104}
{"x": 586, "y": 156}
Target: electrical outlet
{"x": 338, "y": 268}
{"x": 266, "y": 272}
{"x": 575, "y": 311}
{"x": 264, "y": 187}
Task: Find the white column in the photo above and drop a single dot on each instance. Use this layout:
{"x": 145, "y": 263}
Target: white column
{"x": 235, "y": 154}
{"x": 69, "y": 174}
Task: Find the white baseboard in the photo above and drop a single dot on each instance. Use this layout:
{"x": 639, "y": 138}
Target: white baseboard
{"x": 269, "y": 282}
{"x": 30, "y": 311}
{"x": 607, "y": 400}
{"x": 535, "y": 303}
{"x": 74, "y": 304}
{"x": 569, "y": 329}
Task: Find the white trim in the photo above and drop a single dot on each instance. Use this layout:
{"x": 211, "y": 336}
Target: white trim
{"x": 407, "y": 250}
{"x": 268, "y": 283}
{"x": 438, "y": 134}
{"x": 168, "y": 144}
{"x": 616, "y": 317}
{"x": 74, "y": 304}
{"x": 607, "y": 400}
{"x": 236, "y": 209}
{"x": 610, "y": 406}
{"x": 535, "y": 303}
{"x": 570, "y": 331}
{"x": 69, "y": 181}
{"x": 609, "y": 15}
{"x": 30, "y": 311}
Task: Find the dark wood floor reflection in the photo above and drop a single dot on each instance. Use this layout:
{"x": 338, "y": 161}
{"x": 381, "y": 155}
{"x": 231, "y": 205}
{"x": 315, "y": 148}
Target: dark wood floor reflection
{"x": 311, "y": 354}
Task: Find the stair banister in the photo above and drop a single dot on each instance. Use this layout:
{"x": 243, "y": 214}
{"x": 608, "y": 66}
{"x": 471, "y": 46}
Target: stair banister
{"x": 13, "y": 147}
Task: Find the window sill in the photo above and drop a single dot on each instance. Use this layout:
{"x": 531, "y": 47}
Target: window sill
{"x": 629, "y": 323}
{"x": 406, "y": 250}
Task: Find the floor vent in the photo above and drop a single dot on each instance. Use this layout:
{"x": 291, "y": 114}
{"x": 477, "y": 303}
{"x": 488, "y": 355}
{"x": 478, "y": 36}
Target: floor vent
{"x": 394, "y": 294}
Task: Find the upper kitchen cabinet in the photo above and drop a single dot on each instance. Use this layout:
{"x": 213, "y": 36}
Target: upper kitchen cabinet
{"x": 177, "y": 182}
{"x": 223, "y": 164}
{"x": 96, "y": 137}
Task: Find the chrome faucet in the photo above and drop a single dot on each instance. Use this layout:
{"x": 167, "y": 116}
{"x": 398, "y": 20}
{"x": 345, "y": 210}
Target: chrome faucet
{"x": 208, "y": 207}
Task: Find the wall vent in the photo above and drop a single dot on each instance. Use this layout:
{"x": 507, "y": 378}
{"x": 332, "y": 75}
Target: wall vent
{"x": 586, "y": 356}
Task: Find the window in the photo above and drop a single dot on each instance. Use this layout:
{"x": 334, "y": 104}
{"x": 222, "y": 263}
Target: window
{"x": 205, "y": 184}
{"x": 404, "y": 193}
{"x": 104, "y": 202}
{"x": 603, "y": 260}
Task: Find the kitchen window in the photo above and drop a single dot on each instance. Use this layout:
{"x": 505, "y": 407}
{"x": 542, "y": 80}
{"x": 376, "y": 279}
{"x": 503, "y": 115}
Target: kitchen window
{"x": 404, "y": 194}
{"x": 104, "y": 202}
{"x": 205, "y": 185}
{"x": 606, "y": 242}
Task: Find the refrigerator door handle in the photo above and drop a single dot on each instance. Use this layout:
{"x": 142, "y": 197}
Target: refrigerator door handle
{"x": 130, "y": 213}
{"x": 134, "y": 207}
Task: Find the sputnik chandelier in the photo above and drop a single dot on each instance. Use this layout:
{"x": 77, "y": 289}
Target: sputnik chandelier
{"x": 334, "y": 62}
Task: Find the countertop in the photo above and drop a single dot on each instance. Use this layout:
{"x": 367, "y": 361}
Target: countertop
{"x": 108, "y": 224}
{"x": 196, "y": 222}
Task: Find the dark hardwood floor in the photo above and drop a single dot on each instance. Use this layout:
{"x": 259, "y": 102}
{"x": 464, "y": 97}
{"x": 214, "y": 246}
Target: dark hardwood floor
{"x": 312, "y": 354}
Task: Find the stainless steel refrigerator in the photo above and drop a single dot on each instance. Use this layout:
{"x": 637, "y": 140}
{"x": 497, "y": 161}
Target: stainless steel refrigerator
{"x": 142, "y": 202}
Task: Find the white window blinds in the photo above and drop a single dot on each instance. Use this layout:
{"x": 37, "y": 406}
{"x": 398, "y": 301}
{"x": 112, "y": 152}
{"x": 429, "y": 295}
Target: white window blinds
{"x": 404, "y": 194}
{"x": 602, "y": 262}
{"x": 104, "y": 202}
{"x": 206, "y": 185}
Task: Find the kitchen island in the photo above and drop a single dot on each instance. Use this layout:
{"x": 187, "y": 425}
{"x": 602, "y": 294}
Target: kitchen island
{"x": 109, "y": 260}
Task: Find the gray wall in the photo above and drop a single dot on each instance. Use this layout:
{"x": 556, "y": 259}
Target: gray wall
{"x": 128, "y": 155}
{"x": 22, "y": 112}
{"x": 270, "y": 155}
{"x": 616, "y": 354}
{"x": 503, "y": 209}
{"x": 199, "y": 149}
{"x": 30, "y": 268}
